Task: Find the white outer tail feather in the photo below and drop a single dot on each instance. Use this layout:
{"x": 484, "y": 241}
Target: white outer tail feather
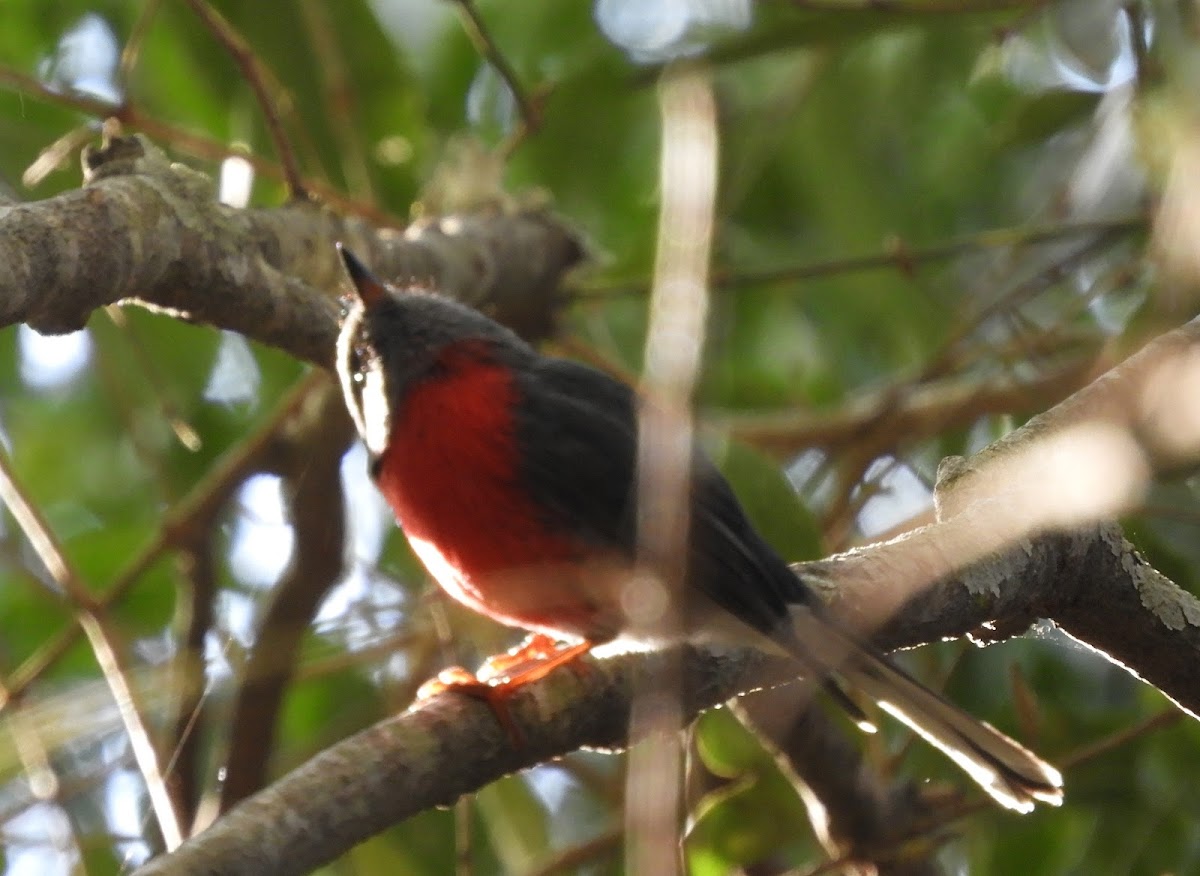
{"x": 1012, "y": 774}
{"x": 1009, "y": 772}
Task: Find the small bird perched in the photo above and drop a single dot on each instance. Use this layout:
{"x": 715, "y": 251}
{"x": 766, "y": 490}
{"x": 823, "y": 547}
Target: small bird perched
{"x": 513, "y": 477}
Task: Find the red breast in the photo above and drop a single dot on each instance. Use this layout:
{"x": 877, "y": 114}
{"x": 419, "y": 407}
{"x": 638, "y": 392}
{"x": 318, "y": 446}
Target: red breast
{"x": 451, "y": 475}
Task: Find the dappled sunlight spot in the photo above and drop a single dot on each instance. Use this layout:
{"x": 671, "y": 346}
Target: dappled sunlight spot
{"x": 236, "y": 181}
{"x": 1170, "y": 403}
{"x": 217, "y": 664}
{"x": 39, "y": 841}
{"x": 899, "y": 495}
{"x": 368, "y": 518}
{"x": 235, "y": 377}
{"x": 658, "y": 30}
{"x": 362, "y": 610}
{"x": 645, "y": 600}
{"x": 813, "y": 478}
{"x": 50, "y": 361}
{"x": 393, "y": 150}
{"x": 85, "y": 59}
{"x": 124, "y": 792}
{"x": 1090, "y": 50}
{"x": 490, "y": 102}
{"x": 262, "y": 541}
{"x": 340, "y": 601}
{"x": 567, "y": 800}
{"x": 1081, "y": 475}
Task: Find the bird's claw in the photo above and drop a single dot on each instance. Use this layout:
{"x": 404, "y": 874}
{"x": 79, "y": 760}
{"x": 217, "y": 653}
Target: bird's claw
{"x": 524, "y": 659}
{"x": 502, "y": 675}
{"x": 454, "y": 678}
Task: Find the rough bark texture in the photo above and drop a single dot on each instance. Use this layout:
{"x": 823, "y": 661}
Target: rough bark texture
{"x": 429, "y": 756}
{"x": 143, "y": 229}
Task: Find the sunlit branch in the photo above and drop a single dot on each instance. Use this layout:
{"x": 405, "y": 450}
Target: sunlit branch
{"x": 674, "y": 340}
{"x": 269, "y": 274}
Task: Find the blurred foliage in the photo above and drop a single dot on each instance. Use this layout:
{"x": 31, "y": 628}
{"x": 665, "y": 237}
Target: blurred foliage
{"x": 873, "y": 130}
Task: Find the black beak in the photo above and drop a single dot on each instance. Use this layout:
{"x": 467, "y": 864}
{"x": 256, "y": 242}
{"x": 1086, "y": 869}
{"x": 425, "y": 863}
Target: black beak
{"x": 369, "y": 288}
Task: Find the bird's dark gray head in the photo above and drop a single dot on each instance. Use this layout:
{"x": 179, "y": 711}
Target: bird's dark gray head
{"x": 391, "y": 338}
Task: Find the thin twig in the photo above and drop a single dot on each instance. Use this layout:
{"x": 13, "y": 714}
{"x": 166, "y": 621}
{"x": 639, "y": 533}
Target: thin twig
{"x": 187, "y": 142}
{"x": 255, "y": 73}
{"x": 194, "y": 511}
{"x": 184, "y": 432}
{"x": 1023, "y": 292}
{"x": 897, "y": 256}
{"x": 196, "y": 613}
{"x": 481, "y": 38}
{"x": 1093, "y": 750}
{"x": 54, "y": 156}
{"x": 574, "y": 857}
{"x": 133, "y": 45}
{"x": 339, "y": 100}
{"x": 104, "y": 643}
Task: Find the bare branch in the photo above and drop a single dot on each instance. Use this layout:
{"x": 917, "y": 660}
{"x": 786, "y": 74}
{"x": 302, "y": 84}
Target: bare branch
{"x": 430, "y": 755}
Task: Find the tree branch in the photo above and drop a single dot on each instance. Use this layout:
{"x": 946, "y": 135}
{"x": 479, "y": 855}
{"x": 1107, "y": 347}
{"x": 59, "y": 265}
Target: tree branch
{"x": 430, "y": 756}
{"x": 143, "y": 229}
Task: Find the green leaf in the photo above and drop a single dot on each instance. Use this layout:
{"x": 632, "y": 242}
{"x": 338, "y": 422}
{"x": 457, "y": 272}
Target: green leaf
{"x": 726, "y": 747}
{"x": 515, "y": 821}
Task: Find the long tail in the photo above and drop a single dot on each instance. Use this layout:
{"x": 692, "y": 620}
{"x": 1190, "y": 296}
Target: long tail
{"x": 1009, "y": 772}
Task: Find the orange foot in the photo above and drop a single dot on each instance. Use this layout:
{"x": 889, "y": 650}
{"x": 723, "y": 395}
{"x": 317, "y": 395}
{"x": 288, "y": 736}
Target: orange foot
{"x": 503, "y": 675}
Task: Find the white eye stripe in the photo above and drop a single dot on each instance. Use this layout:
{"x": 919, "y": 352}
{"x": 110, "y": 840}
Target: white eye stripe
{"x": 349, "y": 367}
{"x": 364, "y": 384}
{"x": 374, "y": 409}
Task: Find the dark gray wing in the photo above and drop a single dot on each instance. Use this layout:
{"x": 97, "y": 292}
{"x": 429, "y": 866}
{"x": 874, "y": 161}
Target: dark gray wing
{"x": 577, "y": 431}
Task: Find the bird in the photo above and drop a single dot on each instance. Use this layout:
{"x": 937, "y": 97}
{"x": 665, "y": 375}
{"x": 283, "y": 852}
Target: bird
{"x": 513, "y": 476}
